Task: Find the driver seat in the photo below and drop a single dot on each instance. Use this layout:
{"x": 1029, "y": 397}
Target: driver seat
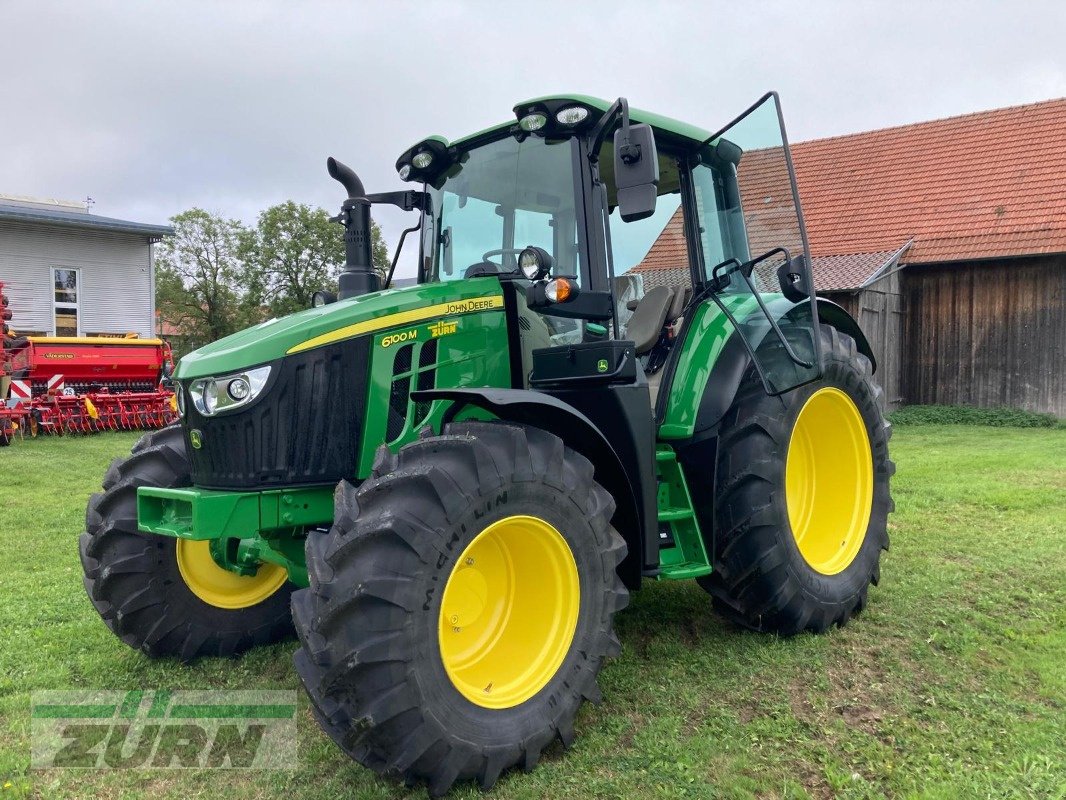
{"x": 648, "y": 318}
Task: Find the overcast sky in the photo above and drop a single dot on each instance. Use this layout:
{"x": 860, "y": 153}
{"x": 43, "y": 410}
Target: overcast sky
{"x": 151, "y": 108}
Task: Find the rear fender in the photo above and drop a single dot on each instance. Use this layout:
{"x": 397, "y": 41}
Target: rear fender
{"x": 696, "y": 408}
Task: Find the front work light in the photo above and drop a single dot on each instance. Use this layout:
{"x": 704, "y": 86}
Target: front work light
{"x": 533, "y": 122}
{"x": 213, "y": 396}
{"x": 535, "y": 263}
{"x": 404, "y": 172}
{"x": 573, "y": 115}
{"x": 422, "y": 160}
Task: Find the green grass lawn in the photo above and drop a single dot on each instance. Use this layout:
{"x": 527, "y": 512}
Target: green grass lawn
{"x": 951, "y": 685}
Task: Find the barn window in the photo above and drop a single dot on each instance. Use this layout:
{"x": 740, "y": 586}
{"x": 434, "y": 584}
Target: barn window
{"x": 65, "y": 304}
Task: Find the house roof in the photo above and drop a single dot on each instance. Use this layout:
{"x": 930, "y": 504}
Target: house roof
{"x": 669, "y": 251}
{"x": 983, "y": 185}
{"x": 33, "y": 213}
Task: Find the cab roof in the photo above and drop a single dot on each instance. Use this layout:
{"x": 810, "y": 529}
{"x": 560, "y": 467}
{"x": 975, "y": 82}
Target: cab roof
{"x": 680, "y": 134}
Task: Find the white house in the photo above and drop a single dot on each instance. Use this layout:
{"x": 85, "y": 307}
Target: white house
{"x": 67, "y": 272}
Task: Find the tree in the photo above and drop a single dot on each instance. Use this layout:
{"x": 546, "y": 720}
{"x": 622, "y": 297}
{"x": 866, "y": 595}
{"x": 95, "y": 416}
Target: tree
{"x": 199, "y": 277}
{"x": 294, "y": 251}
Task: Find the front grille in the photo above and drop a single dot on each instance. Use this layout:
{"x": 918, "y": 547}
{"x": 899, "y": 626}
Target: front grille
{"x": 303, "y": 429}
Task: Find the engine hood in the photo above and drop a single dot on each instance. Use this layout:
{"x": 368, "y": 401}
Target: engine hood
{"x": 356, "y": 316}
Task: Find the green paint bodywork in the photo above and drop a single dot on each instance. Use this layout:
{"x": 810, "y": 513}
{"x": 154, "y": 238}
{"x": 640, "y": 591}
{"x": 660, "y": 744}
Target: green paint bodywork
{"x": 271, "y": 340}
{"x": 472, "y": 350}
{"x": 707, "y": 336}
{"x": 246, "y": 528}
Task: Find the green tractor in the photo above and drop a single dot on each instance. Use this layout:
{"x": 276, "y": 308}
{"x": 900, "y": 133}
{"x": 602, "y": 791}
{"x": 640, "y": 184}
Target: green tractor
{"x": 449, "y": 489}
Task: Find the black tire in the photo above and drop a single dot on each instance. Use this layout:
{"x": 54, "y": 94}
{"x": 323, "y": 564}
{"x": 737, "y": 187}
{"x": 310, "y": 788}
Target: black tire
{"x": 133, "y": 580}
{"x": 368, "y": 623}
{"x": 761, "y": 580}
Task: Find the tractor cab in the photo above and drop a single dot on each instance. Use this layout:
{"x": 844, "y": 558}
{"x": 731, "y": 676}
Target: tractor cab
{"x": 601, "y": 237}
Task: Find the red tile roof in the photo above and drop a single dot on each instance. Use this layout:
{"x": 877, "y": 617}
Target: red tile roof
{"x": 984, "y": 185}
{"x": 836, "y": 273}
{"x": 669, "y": 251}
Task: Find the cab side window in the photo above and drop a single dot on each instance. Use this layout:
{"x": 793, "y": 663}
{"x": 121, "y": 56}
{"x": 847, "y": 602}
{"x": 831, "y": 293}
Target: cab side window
{"x": 649, "y": 252}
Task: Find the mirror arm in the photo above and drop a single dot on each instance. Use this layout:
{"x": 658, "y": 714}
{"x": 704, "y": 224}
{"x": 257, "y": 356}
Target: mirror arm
{"x": 399, "y": 248}
{"x": 620, "y": 107}
{"x": 408, "y": 201}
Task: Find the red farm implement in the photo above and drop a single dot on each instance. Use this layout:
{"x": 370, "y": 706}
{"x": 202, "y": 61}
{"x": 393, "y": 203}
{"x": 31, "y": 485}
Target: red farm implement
{"x": 69, "y": 385}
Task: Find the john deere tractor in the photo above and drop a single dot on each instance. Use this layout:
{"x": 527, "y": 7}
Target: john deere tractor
{"x": 612, "y": 369}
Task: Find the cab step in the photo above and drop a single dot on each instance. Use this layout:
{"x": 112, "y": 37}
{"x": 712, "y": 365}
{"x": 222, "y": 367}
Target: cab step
{"x": 682, "y": 554}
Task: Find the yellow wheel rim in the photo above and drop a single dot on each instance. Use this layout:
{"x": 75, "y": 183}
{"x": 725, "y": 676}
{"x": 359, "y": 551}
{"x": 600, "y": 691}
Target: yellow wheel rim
{"x": 221, "y": 588}
{"x": 829, "y": 481}
{"x": 509, "y": 612}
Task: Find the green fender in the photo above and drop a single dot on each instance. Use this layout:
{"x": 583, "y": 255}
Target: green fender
{"x": 707, "y": 371}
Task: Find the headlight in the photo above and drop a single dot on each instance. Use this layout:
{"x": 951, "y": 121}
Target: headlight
{"x": 215, "y": 395}
{"x": 179, "y": 393}
{"x": 535, "y": 263}
{"x": 405, "y": 172}
{"x": 422, "y": 160}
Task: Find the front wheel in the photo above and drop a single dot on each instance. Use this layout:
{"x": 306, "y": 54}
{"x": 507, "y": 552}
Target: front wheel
{"x": 461, "y": 606}
{"x": 164, "y": 596}
{"x": 802, "y": 498}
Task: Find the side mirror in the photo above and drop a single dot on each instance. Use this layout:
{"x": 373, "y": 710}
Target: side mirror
{"x": 636, "y": 171}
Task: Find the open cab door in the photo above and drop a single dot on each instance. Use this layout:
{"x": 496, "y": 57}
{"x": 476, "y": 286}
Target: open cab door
{"x": 756, "y": 265}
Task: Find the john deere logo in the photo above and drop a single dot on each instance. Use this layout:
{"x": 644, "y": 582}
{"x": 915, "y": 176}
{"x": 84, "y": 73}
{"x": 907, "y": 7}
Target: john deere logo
{"x": 601, "y": 365}
{"x": 195, "y": 439}
{"x": 442, "y": 328}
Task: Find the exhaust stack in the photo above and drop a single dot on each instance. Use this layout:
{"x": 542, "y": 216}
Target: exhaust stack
{"x": 358, "y": 276}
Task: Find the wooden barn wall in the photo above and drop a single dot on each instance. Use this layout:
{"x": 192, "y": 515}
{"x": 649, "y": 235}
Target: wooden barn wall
{"x": 987, "y": 334}
{"x": 879, "y": 311}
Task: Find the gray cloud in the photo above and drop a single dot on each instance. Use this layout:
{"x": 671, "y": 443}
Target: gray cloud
{"x": 151, "y": 108}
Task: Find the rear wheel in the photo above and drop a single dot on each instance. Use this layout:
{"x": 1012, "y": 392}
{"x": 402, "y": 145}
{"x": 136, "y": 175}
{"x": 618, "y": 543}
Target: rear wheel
{"x": 461, "y": 606}
{"x": 164, "y": 596}
{"x": 802, "y": 498}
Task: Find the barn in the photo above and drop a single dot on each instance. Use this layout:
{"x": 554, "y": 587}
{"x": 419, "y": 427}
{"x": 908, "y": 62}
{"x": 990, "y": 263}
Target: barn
{"x": 947, "y": 241}
{"x": 68, "y": 272}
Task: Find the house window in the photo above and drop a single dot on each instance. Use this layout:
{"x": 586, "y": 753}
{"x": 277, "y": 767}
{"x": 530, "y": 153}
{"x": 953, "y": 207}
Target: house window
{"x": 65, "y": 303}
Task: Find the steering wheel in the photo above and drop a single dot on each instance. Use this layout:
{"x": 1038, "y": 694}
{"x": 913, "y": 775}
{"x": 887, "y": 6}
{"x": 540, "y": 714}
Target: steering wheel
{"x": 515, "y": 251}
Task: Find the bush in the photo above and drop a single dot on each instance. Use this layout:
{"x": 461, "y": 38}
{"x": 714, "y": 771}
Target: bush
{"x": 968, "y": 415}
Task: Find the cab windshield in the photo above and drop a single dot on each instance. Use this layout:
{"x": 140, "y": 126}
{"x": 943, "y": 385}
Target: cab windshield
{"x": 499, "y": 198}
